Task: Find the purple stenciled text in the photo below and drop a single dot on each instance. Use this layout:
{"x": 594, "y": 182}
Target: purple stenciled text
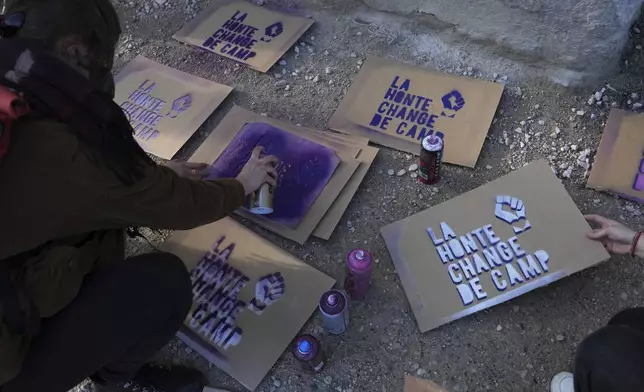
{"x": 216, "y": 286}
{"x": 144, "y": 110}
{"x": 638, "y": 184}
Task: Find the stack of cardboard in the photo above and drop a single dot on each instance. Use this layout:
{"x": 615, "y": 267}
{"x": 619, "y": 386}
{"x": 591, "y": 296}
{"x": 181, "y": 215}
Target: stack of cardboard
{"x": 327, "y": 210}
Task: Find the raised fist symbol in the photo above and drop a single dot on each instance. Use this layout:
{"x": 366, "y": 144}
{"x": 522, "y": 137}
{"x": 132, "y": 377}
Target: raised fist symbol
{"x": 273, "y": 31}
{"x": 452, "y": 103}
{"x": 268, "y": 290}
{"x": 515, "y": 214}
{"x": 180, "y": 105}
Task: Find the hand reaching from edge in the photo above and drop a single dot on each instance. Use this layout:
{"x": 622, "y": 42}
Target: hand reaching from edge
{"x": 258, "y": 171}
{"x": 192, "y": 170}
{"x": 615, "y": 237}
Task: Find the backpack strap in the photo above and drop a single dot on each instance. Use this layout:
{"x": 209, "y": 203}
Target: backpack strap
{"x": 12, "y": 108}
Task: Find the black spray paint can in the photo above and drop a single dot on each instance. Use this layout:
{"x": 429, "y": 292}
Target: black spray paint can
{"x": 308, "y": 352}
{"x": 335, "y": 311}
{"x": 431, "y": 159}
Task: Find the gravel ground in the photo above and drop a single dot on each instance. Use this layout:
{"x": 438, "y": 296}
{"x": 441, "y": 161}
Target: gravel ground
{"x": 516, "y": 346}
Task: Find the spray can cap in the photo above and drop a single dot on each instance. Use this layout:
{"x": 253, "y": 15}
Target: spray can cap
{"x": 304, "y": 347}
{"x": 360, "y": 255}
{"x": 332, "y": 299}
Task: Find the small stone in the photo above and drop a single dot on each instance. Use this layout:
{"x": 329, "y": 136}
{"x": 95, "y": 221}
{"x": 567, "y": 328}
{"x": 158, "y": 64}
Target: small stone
{"x": 415, "y": 367}
{"x": 568, "y": 172}
{"x": 637, "y": 105}
{"x": 495, "y": 75}
{"x": 189, "y": 350}
{"x": 328, "y": 380}
{"x": 499, "y": 328}
{"x": 353, "y": 55}
{"x": 359, "y": 33}
{"x": 287, "y": 88}
{"x": 541, "y": 122}
{"x": 635, "y": 96}
{"x": 360, "y": 62}
{"x": 623, "y": 296}
{"x": 560, "y": 338}
{"x": 277, "y": 383}
{"x": 316, "y": 79}
{"x": 297, "y": 50}
{"x": 489, "y": 167}
{"x": 421, "y": 372}
{"x": 281, "y": 83}
{"x": 413, "y": 167}
{"x": 573, "y": 147}
{"x": 391, "y": 172}
{"x": 537, "y": 106}
{"x": 377, "y": 261}
{"x": 401, "y": 172}
{"x": 326, "y": 53}
{"x": 518, "y": 130}
{"x": 598, "y": 96}
{"x": 522, "y": 123}
{"x": 593, "y": 116}
{"x": 414, "y": 175}
{"x": 591, "y": 100}
{"x": 518, "y": 92}
{"x": 283, "y": 63}
{"x": 580, "y": 112}
{"x": 504, "y": 78}
{"x": 160, "y": 2}
{"x": 638, "y": 47}
{"x": 327, "y": 70}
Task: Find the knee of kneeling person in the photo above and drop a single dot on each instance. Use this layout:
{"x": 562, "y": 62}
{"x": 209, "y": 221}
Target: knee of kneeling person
{"x": 174, "y": 279}
{"x": 608, "y": 342}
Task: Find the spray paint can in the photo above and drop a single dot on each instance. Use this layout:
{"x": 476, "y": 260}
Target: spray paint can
{"x": 261, "y": 201}
{"x": 359, "y": 265}
{"x": 334, "y": 307}
{"x": 431, "y": 159}
{"x": 308, "y": 352}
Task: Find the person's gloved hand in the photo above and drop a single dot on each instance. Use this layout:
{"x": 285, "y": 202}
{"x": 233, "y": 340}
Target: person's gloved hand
{"x": 258, "y": 171}
{"x": 192, "y": 170}
{"x": 615, "y": 237}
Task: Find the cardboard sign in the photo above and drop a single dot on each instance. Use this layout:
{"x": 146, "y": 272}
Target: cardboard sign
{"x": 397, "y": 105}
{"x": 619, "y": 162}
{"x": 333, "y": 216}
{"x": 246, "y": 33}
{"x": 487, "y": 246}
{"x": 235, "y": 120}
{"x": 413, "y": 384}
{"x": 165, "y": 106}
{"x": 250, "y": 297}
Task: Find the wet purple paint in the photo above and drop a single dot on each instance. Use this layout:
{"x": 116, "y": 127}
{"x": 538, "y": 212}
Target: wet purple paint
{"x": 304, "y": 169}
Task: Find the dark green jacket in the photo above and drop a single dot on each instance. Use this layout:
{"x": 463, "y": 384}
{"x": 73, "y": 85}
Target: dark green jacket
{"x": 69, "y": 214}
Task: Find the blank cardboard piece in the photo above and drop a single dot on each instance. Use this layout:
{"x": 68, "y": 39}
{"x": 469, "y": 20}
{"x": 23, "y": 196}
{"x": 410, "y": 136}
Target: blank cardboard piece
{"x": 327, "y": 225}
{"x": 413, "y": 384}
{"x": 531, "y": 194}
{"x": 246, "y": 33}
{"x": 252, "y": 261}
{"x": 460, "y": 108}
{"x": 165, "y": 106}
{"x": 217, "y": 141}
{"x": 619, "y": 162}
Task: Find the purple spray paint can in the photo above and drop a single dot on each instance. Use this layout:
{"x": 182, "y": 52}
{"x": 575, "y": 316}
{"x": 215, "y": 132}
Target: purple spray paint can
{"x": 308, "y": 352}
{"x": 335, "y": 311}
{"x": 359, "y": 264}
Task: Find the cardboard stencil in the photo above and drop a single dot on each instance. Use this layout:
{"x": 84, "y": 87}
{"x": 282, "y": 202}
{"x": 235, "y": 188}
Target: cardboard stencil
{"x": 413, "y": 384}
{"x": 250, "y": 297}
{"x": 333, "y": 216}
{"x": 235, "y": 120}
{"x": 246, "y": 33}
{"x": 304, "y": 168}
{"x": 619, "y": 162}
{"x": 492, "y": 244}
{"x": 165, "y": 106}
{"x": 397, "y": 105}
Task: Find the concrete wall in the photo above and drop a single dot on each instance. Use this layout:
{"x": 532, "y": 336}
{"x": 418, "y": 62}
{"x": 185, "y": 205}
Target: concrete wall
{"x": 581, "y": 37}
